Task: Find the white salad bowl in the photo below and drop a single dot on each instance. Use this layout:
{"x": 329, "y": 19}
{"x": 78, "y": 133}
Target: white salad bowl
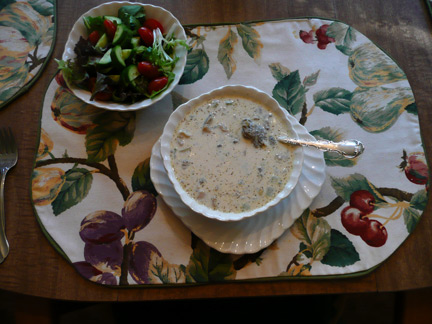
{"x": 247, "y": 92}
{"x": 168, "y": 21}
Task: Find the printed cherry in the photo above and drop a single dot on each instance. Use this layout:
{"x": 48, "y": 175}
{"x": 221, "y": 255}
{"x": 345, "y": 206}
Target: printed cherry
{"x": 323, "y": 39}
{"x": 307, "y": 37}
{"x": 363, "y": 200}
{"x": 375, "y": 234}
{"x": 354, "y": 221}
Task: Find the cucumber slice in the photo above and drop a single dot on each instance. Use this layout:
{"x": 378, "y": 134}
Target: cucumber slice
{"x": 129, "y": 74}
{"x": 135, "y": 41}
{"x": 87, "y": 23}
{"x": 105, "y": 61}
{"x": 117, "y": 56}
{"x": 126, "y": 53}
{"x": 122, "y": 35}
{"x": 102, "y": 42}
{"x": 113, "y": 19}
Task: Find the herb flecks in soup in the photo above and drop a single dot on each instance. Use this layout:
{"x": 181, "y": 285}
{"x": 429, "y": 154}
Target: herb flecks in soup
{"x": 226, "y": 156}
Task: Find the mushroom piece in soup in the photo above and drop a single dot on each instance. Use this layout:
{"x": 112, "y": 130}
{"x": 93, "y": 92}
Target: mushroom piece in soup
{"x": 225, "y": 156}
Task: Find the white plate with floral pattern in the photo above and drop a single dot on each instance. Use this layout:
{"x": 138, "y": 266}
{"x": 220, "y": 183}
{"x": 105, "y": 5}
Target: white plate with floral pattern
{"x": 252, "y": 234}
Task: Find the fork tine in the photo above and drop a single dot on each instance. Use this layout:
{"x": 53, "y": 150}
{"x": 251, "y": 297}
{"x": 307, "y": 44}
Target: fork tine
{"x": 11, "y": 141}
{"x": 7, "y": 141}
{"x": 2, "y": 142}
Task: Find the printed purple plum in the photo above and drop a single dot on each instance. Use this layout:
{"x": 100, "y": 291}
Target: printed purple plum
{"x": 93, "y": 274}
{"x": 102, "y": 227}
{"x": 87, "y": 270}
{"x": 139, "y": 210}
{"x": 139, "y": 264}
{"x": 105, "y": 257}
{"x": 107, "y": 278}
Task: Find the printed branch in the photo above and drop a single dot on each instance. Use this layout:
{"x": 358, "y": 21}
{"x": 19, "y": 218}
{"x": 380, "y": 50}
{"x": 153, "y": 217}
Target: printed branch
{"x": 111, "y": 172}
{"x": 339, "y": 201}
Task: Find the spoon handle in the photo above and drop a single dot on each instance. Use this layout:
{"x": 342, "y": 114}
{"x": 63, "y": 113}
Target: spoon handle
{"x": 349, "y": 148}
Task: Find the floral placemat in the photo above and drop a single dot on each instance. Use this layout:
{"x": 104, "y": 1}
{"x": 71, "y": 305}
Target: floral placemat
{"x": 96, "y": 203}
{"x": 27, "y": 38}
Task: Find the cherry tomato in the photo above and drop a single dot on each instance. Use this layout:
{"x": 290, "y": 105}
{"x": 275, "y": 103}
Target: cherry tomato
{"x": 157, "y": 84}
{"x": 110, "y": 28}
{"x": 94, "y": 37}
{"x": 148, "y": 70}
{"x": 146, "y": 35}
{"x": 153, "y": 24}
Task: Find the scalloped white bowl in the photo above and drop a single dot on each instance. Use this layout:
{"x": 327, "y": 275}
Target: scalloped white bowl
{"x": 111, "y": 8}
{"x": 231, "y": 90}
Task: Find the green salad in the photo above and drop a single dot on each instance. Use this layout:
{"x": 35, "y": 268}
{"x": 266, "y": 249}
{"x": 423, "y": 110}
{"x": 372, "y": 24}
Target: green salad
{"x": 124, "y": 58}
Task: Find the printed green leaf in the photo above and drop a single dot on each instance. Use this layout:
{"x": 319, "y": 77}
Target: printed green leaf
{"x": 197, "y": 65}
{"x": 344, "y": 187}
{"x": 279, "y": 71}
{"x": 314, "y": 233}
{"x": 311, "y": 80}
{"x": 334, "y": 100}
{"x": 250, "y": 40}
{"x": 112, "y": 129}
{"x": 225, "y": 53}
{"x": 344, "y": 36}
{"x": 342, "y": 252}
{"x": 419, "y": 200}
{"x": 207, "y": 264}
{"x": 77, "y": 185}
{"x": 44, "y": 7}
{"x": 328, "y": 133}
{"x": 411, "y": 218}
{"x": 333, "y": 158}
{"x": 290, "y": 93}
{"x": 344, "y": 49}
{"x": 141, "y": 178}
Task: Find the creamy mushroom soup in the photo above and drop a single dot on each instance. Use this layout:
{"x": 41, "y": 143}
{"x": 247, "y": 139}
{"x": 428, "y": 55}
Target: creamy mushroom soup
{"x": 225, "y": 154}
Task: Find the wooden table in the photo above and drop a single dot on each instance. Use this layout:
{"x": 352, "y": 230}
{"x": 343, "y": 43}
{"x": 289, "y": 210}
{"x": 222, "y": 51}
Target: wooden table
{"x": 401, "y": 27}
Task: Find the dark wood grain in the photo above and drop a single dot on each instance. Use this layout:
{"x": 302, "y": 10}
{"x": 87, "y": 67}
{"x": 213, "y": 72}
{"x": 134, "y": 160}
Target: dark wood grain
{"x": 401, "y": 27}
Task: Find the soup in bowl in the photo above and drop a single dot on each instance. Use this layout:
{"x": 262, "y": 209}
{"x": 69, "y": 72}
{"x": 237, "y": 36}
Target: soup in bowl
{"x": 222, "y": 155}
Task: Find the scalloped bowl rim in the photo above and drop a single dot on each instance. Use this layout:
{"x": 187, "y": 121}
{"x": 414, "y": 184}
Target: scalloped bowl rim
{"x": 111, "y": 8}
{"x": 183, "y": 109}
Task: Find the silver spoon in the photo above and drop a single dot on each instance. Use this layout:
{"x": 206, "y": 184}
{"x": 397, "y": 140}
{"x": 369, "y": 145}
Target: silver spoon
{"x": 348, "y": 148}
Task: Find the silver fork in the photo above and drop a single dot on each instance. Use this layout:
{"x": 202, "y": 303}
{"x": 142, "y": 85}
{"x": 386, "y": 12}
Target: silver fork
{"x": 8, "y": 159}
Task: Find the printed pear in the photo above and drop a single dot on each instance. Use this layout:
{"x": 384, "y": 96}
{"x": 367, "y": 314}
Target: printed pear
{"x": 377, "y": 109}
{"x": 369, "y": 67}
